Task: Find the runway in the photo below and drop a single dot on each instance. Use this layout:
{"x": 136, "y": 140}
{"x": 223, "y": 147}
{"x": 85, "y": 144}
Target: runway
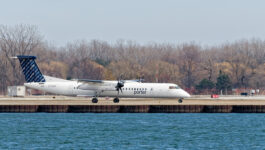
{"x": 64, "y": 100}
{"x": 227, "y": 104}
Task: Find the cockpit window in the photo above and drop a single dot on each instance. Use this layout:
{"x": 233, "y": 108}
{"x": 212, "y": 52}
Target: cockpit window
{"x": 174, "y": 87}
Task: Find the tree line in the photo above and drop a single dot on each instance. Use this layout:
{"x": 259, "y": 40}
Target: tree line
{"x": 190, "y": 65}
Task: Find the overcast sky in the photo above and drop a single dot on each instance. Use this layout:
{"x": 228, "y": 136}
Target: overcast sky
{"x": 172, "y": 21}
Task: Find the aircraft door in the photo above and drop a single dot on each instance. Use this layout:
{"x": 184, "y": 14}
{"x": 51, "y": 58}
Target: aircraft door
{"x": 151, "y": 91}
{"x": 70, "y": 90}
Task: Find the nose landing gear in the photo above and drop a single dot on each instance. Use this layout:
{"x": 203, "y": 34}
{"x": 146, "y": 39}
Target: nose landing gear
{"x": 180, "y": 100}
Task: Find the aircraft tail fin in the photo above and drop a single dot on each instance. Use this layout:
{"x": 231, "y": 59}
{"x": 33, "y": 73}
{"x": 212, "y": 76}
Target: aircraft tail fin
{"x": 30, "y": 69}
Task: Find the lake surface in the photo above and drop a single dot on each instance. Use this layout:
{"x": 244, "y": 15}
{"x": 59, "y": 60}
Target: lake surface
{"x": 131, "y": 131}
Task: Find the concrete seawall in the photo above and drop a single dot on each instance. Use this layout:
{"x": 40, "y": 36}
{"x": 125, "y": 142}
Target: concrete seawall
{"x": 133, "y": 109}
{"x": 84, "y": 105}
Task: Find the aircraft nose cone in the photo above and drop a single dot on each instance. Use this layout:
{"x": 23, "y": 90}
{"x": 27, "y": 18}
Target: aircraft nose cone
{"x": 185, "y": 94}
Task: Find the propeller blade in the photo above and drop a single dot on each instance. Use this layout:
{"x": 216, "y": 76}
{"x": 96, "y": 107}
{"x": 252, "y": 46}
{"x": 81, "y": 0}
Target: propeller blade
{"x": 119, "y": 86}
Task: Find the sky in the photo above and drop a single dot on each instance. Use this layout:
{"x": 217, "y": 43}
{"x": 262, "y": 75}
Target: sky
{"x": 207, "y": 22}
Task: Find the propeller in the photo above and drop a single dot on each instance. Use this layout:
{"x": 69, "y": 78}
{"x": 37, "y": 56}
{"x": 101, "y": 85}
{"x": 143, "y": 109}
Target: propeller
{"x": 119, "y": 85}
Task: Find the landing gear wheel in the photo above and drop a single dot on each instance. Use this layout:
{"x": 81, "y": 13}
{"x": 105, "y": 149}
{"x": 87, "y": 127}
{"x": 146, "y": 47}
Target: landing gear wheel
{"x": 116, "y": 100}
{"x": 94, "y": 100}
{"x": 180, "y": 100}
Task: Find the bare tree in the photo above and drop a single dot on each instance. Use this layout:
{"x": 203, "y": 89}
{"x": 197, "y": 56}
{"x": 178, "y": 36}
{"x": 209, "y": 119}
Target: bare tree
{"x": 188, "y": 61}
{"x": 208, "y": 60}
{"x": 18, "y": 40}
{"x": 185, "y": 64}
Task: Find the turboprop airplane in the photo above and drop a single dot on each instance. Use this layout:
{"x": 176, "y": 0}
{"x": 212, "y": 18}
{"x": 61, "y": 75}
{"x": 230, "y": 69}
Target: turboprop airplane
{"x": 96, "y": 88}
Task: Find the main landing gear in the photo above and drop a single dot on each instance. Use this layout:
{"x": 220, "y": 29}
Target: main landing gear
{"x": 180, "y": 100}
{"x": 116, "y": 100}
{"x": 94, "y": 100}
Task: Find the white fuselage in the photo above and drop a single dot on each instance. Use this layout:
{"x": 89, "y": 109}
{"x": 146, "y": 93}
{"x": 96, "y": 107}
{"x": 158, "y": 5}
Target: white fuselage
{"x": 130, "y": 89}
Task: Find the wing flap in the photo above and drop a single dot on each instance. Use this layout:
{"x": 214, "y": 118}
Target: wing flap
{"x": 96, "y": 87}
{"x": 91, "y": 81}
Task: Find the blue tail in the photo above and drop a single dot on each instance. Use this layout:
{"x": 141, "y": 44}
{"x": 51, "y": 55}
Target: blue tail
{"x": 30, "y": 69}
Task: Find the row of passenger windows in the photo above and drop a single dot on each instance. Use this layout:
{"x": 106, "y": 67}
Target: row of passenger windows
{"x": 135, "y": 89}
{"x": 145, "y": 89}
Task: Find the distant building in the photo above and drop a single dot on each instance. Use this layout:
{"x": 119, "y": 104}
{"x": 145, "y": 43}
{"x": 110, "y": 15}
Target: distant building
{"x": 16, "y": 91}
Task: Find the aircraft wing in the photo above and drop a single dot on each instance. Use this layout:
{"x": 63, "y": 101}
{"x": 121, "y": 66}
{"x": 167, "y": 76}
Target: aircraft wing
{"x": 101, "y": 85}
{"x": 91, "y": 81}
{"x": 102, "y": 81}
{"x": 134, "y": 80}
{"x": 97, "y": 85}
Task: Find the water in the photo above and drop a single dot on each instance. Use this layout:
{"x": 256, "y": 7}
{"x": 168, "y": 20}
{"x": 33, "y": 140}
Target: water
{"x": 131, "y": 131}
